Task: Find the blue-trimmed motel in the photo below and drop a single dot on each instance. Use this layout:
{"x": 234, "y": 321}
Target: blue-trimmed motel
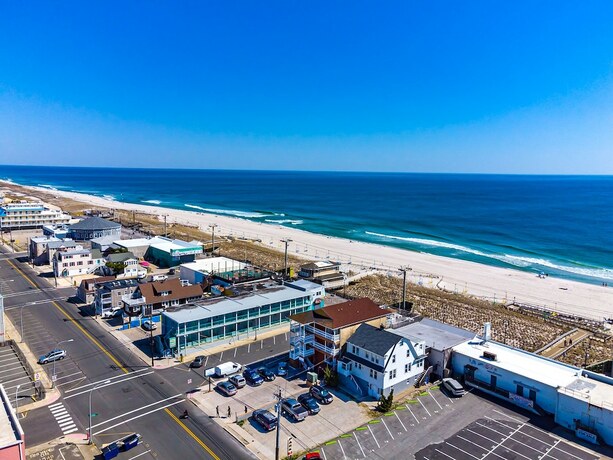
{"x": 211, "y": 321}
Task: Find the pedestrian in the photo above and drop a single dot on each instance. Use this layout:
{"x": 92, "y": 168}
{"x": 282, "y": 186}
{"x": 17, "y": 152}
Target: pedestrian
{"x": 245, "y": 409}
{"x": 217, "y": 411}
{"x": 570, "y": 341}
{"x": 565, "y": 342}
{"x": 229, "y": 412}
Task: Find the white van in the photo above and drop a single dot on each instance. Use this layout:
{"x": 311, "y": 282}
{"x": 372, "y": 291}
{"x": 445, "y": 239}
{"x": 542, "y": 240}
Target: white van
{"x": 159, "y": 278}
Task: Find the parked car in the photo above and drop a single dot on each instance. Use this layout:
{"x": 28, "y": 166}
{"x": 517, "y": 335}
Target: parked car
{"x": 253, "y": 378}
{"x": 267, "y": 374}
{"x": 112, "y": 313}
{"x": 452, "y": 387}
{"x": 321, "y": 394}
{"x": 294, "y": 409}
{"x": 309, "y": 403}
{"x": 149, "y": 325}
{"x": 227, "y": 368}
{"x": 312, "y": 456}
{"x": 265, "y": 418}
{"x": 282, "y": 369}
{"x": 198, "y": 361}
{"x": 238, "y": 381}
{"x": 226, "y": 388}
{"x": 53, "y": 355}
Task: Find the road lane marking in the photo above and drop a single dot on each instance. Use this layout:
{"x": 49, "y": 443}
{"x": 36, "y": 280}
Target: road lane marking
{"x": 188, "y": 431}
{"x": 104, "y": 380}
{"x": 136, "y": 410}
{"x": 108, "y": 384}
{"x": 140, "y": 455}
{"x": 137, "y": 417}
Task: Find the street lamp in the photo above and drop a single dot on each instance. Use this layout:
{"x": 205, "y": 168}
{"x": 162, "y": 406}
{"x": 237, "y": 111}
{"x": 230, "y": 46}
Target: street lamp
{"x": 57, "y": 345}
{"x": 89, "y": 436}
{"x": 17, "y": 401}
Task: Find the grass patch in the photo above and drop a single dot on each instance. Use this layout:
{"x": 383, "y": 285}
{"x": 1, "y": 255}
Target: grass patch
{"x": 329, "y": 443}
{"x": 372, "y": 422}
{"x": 240, "y": 422}
{"x": 362, "y": 428}
{"x": 345, "y": 435}
{"x": 412, "y": 401}
{"x": 423, "y": 393}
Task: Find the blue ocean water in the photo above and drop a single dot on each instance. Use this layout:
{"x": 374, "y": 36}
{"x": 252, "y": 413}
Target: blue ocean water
{"x": 561, "y": 225}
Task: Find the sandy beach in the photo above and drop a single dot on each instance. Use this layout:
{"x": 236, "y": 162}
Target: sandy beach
{"x": 499, "y": 284}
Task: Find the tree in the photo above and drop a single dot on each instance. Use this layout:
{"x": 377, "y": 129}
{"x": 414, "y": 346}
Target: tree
{"x": 386, "y": 402}
{"x": 116, "y": 267}
{"x": 331, "y": 377}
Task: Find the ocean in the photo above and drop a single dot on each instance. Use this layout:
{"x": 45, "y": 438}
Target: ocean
{"x": 559, "y": 225}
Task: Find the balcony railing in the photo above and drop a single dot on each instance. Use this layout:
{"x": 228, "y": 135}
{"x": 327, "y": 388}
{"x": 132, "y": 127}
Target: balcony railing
{"x": 324, "y": 334}
{"x": 298, "y": 339}
{"x": 325, "y": 349}
{"x": 296, "y": 353}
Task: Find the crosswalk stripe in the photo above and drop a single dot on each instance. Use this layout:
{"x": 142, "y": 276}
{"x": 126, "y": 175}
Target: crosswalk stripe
{"x": 59, "y": 414}
{"x": 63, "y": 418}
{"x": 57, "y": 409}
{"x": 55, "y": 405}
{"x": 66, "y": 424}
{"x": 70, "y": 431}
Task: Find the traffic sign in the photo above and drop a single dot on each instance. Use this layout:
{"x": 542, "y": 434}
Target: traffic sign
{"x": 94, "y": 414}
{"x": 53, "y": 378}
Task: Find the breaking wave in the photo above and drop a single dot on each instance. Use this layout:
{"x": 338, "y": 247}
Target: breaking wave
{"x": 152, "y": 201}
{"x": 228, "y": 212}
{"x": 517, "y": 261}
{"x": 285, "y": 221}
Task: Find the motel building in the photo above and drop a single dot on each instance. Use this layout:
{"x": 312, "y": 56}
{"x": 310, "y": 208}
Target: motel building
{"x": 248, "y": 310}
{"x": 579, "y": 400}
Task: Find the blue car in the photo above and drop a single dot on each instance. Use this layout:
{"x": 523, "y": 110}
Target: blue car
{"x": 253, "y": 378}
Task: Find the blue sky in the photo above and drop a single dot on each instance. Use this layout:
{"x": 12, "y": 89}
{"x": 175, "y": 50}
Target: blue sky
{"x": 515, "y": 87}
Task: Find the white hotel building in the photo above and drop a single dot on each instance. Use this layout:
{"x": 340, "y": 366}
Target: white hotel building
{"x": 29, "y": 214}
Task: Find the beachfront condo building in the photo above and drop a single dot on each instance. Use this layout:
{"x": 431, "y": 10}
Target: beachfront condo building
{"x": 318, "y": 335}
{"x": 16, "y": 215}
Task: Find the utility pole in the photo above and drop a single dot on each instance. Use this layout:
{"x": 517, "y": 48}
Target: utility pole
{"x": 165, "y": 228}
{"x": 286, "y": 241}
{"x": 278, "y": 396}
{"x": 213, "y": 226}
{"x": 151, "y": 332}
{"x": 404, "y": 270}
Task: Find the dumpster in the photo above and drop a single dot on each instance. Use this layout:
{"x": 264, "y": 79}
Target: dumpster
{"x": 110, "y": 451}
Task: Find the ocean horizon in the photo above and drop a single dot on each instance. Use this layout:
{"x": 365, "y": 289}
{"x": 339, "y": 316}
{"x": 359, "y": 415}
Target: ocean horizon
{"x": 558, "y": 225}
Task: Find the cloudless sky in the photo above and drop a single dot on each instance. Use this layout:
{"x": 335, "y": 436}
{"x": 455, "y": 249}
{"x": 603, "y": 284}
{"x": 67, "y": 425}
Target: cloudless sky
{"x": 477, "y": 86}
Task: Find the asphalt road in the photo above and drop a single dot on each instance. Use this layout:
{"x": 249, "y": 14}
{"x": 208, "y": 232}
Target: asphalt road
{"x": 135, "y": 399}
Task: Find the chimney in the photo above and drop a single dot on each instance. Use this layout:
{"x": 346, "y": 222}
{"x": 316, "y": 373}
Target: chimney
{"x": 487, "y": 332}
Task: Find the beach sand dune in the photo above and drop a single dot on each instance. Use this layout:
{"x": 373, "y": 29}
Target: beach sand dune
{"x": 500, "y": 284}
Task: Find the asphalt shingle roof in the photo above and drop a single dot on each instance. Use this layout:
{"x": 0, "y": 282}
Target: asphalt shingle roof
{"x": 373, "y": 339}
{"x": 343, "y": 314}
{"x": 94, "y": 223}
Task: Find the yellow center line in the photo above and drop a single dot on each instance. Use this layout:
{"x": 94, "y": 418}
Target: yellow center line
{"x": 190, "y": 432}
{"x": 106, "y": 352}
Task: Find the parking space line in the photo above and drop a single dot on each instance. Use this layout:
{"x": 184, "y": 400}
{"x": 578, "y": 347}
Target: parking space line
{"x": 342, "y": 450}
{"x": 18, "y": 366}
{"x": 321, "y": 449}
{"x": 140, "y": 455}
{"x": 248, "y": 348}
{"x": 471, "y": 442}
{"x": 491, "y": 429}
{"x": 221, "y": 357}
{"x": 412, "y": 413}
{"x": 437, "y": 403}
{"x": 235, "y": 350}
{"x": 274, "y": 339}
{"x": 503, "y": 440}
{"x": 508, "y": 416}
{"x": 461, "y": 450}
{"x": 483, "y": 436}
{"x": 373, "y": 436}
{"x": 359, "y": 445}
{"x": 514, "y": 451}
{"x": 567, "y": 453}
{"x": 498, "y": 422}
{"x": 388, "y": 430}
{"x": 422, "y": 405}
{"x": 261, "y": 344}
{"x": 405, "y": 428}
{"x": 550, "y": 449}
{"x": 446, "y": 455}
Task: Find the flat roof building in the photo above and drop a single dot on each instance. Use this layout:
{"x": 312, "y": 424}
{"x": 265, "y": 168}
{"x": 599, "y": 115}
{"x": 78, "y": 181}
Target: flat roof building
{"x": 580, "y": 400}
{"x": 165, "y": 252}
{"x": 29, "y": 214}
{"x": 256, "y": 307}
{"x": 12, "y": 437}
{"x": 195, "y": 272}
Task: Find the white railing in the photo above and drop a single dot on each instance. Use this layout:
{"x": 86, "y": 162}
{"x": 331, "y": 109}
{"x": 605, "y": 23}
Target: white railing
{"x": 324, "y": 334}
{"x": 325, "y": 349}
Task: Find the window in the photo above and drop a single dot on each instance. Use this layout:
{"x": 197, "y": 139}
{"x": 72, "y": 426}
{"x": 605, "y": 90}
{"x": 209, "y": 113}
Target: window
{"x": 371, "y": 371}
{"x": 407, "y": 368}
{"x": 408, "y": 353}
{"x": 374, "y": 374}
{"x": 366, "y": 354}
{"x": 393, "y": 359}
{"x": 393, "y": 374}
{"x": 353, "y": 349}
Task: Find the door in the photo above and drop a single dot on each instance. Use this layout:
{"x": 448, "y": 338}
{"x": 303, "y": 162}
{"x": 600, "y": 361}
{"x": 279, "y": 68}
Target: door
{"x": 493, "y": 380}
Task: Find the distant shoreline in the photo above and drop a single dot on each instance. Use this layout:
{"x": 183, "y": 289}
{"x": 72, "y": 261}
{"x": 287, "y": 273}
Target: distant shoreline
{"x": 494, "y": 283}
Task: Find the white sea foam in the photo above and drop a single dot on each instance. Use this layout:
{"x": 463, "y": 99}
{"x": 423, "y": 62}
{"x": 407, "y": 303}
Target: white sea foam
{"x": 152, "y": 201}
{"x": 228, "y": 212}
{"x": 50, "y": 187}
{"x": 518, "y": 261}
{"x": 285, "y": 221}
{"x": 108, "y": 197}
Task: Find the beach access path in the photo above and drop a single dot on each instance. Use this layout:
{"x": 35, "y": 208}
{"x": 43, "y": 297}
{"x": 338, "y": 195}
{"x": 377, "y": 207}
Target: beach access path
{"x": 494, "y": 283}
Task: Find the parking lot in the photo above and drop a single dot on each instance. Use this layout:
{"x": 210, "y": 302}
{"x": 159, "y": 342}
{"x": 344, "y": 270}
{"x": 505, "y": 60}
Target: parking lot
{"x": 505, "y": 437}
{"x": 14, "y": 376}
{"x": 420, "y": 429}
